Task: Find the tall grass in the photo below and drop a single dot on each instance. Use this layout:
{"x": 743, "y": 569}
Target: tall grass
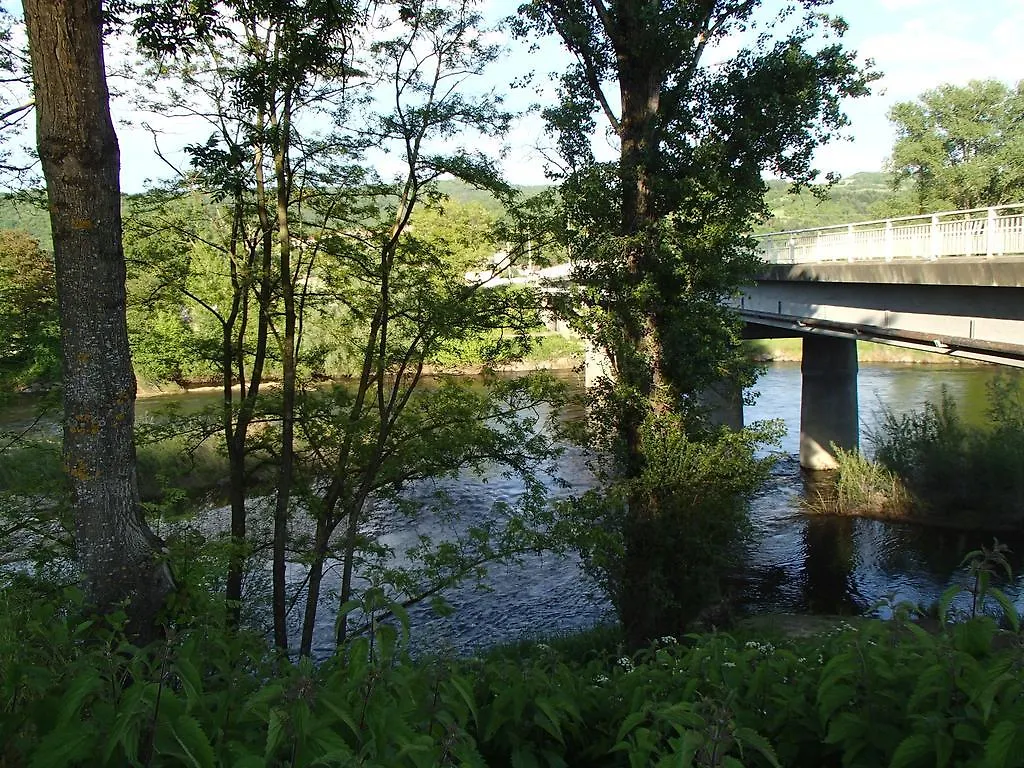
{"x": 974, "y": 474}
{"x": 863, "y": 487}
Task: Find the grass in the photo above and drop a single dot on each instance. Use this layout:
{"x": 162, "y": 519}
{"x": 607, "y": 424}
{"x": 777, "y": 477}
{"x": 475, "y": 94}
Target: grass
{"x": 864, "y": 487}
{"x": 791, "y": 350}
{"x": 555, "y": 346}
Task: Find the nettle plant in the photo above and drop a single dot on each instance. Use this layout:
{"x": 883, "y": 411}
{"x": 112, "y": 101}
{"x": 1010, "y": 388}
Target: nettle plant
{"x": 73, "y": 692}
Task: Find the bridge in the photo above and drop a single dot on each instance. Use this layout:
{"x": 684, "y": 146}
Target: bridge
{"x": 949, "y": 283}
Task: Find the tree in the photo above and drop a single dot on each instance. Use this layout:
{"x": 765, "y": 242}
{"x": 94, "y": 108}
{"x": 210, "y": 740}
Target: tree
{"x": 661, "y": 236}
{"x": 16, "y": 102}
{"x": 959, "y": 147}
{"x": 118, "y": 554}
{"x": 336, "y": 260}
{"x": 28, "y": 314}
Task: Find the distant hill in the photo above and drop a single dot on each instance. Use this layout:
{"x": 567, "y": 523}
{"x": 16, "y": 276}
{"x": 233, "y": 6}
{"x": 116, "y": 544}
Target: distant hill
{"x": 859, "y": 197}
{"x": 18, "y": 212}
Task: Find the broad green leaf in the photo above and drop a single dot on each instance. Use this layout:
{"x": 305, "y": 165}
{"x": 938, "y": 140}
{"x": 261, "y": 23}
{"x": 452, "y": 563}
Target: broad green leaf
{"x": 913, "y": 750}
{"x": 193, "y": 742}
{"x": 1003, "y": 748}
{"x": 747, "y": 737}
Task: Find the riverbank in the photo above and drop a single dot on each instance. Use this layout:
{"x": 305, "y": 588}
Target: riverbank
{"x": 791, "y": 351}
{"x": 863, "y": 693}
{"x": 150, "y": 389}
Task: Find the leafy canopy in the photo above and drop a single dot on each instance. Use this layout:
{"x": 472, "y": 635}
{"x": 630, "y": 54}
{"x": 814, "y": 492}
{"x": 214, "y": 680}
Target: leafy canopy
{"x": 960, "y": 146}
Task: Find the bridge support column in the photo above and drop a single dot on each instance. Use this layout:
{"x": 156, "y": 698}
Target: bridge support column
{"x": 828, "y": 406}
{"x": 724, "y": 404}
{"x": 595, "y": 365}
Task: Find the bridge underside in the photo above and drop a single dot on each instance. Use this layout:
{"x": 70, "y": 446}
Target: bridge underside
{"x": 767, "y": 326}
{"x": 971, "y": 313}
{"x": 976, "y": 322}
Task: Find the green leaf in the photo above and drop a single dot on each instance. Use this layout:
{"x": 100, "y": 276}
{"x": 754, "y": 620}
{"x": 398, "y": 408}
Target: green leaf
{"x": 633, "y": 719}
{"x": 1009, "y": 609}
{"x": 460, "y": 685}
{"x": 65, "y": 745}
{"x": 748, "y": 737}
{"x": 1001, "y": 748}
{"x": 81, "y": 687}
{"x": 946, "y": 600}
{"x": 343, "y": 715}
{"x": 275, "y": 733}
{"x": 832, "y": 698}
{"x": 190, "y": 737}
{"x": 523, "y": 759}
{"x": 848, "y": 730}
{"x": 912, "y": 750}
{"x": 191, "y": 681}
{"x": 548, "y": 719}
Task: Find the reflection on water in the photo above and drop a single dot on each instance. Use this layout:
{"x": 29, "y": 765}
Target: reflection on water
{"x": 821, "y": 564}
{"x": 796, "y": 562}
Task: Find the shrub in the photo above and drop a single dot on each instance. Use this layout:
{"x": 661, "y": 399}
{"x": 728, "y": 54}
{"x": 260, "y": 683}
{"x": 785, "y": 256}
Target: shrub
{"x": 72, "y": 692}
{"x": 952, "y": 467}
{"x": 660, "y": 544}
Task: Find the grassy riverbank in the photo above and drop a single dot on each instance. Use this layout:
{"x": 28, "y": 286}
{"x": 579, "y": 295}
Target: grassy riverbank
{"x": 791, "y": 351}
{"x": 550, "y": 352}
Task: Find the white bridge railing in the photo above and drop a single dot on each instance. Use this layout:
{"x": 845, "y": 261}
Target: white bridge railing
{"x": 980, "y": 232}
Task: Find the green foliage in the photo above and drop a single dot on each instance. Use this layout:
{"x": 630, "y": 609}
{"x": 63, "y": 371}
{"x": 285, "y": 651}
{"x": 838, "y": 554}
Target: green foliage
{"x": 863, "y": 487}
{"x": 29, "y": 329}
{"x": 960, "y": 147}
{"x": 665, "y": 565}
{"x": 72, "y": 692}
{"x": 955, "y": 468}
{"x": 859, "y": 197}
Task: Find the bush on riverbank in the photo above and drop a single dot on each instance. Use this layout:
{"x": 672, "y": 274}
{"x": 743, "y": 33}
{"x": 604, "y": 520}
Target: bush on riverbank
{"x": 956, "y": 470}
{"x": 72, "y": 692}
{"x": 931, "y": 465}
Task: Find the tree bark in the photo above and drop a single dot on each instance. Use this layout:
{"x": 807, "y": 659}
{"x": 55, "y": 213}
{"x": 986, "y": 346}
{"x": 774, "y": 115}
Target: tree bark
{"x": 119, "y": 555}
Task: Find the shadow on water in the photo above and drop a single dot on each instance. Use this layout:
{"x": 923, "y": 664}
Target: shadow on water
{"x": 796, "y": 562}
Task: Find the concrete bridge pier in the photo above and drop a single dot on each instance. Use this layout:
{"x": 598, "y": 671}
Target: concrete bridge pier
{"x": 828, "y": 404}
{"x": 724, "y": 403}
{"x": 595, "y": 365}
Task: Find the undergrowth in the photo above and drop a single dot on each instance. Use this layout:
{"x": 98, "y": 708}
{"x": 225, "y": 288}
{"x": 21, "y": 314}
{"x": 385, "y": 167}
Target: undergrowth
{"x": 74, "y": 692}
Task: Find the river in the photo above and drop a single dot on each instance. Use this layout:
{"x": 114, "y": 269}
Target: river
{"x": 796, "y": 562}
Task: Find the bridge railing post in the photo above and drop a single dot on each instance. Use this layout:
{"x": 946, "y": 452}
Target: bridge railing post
{"x": 851, "y": 246}
{"x": 935, "y": 238}
{"x": 991, "y": 232}
{"x": 888, "y": 240}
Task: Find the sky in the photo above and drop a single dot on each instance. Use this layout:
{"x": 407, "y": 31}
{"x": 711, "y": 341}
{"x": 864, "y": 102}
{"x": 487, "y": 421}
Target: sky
{"x": 916, "y": 44}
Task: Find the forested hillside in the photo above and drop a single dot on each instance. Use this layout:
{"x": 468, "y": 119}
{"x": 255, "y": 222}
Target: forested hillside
{"x": 860, "y": 197}
{"x": 855, "y": 198}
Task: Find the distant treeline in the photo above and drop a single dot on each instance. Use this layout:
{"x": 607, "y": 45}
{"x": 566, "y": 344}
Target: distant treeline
{"x": 854, "y": 198}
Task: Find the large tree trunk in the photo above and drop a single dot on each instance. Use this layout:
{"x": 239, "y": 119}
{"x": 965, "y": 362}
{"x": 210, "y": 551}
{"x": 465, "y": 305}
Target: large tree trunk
{"x": 117, "y": 552}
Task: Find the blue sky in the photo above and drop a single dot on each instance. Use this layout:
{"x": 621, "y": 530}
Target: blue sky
{"x": 917, "y": 44}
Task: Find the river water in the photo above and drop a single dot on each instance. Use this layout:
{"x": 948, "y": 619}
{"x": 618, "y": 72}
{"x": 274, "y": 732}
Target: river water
{"x": 796, "y": 562}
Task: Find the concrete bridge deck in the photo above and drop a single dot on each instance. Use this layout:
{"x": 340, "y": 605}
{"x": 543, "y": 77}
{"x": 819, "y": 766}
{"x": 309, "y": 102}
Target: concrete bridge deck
{"x": 950, "y": 283}
{"x": 947, "y": 282}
